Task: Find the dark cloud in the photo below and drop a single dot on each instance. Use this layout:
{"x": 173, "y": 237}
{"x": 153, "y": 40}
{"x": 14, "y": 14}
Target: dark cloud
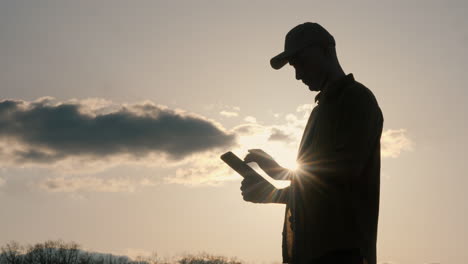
{"x": 53, "y": 132}
{"x": 278, "y": 135}
{"x": 248, "y": 129}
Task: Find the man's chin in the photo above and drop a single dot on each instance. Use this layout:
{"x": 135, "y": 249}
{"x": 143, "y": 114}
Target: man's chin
{"x": 312, "y": 88}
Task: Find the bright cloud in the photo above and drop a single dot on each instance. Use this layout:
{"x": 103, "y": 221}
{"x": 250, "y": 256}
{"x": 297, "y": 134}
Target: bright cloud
{"x": 250, "y": 119}
{"x": 228, "y": 114}
{"x": 206, "y": 169}
{"x": 394, "y": 141}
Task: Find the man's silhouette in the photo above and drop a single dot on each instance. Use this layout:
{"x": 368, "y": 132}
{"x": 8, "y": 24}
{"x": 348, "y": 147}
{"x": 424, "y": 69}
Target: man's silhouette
{"x": 332, "y": 204}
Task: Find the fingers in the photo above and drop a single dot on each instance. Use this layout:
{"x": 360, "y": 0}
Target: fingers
{"x": 248, "y": 183}
{"x": 256, "y": 155}
{"x": 249, "y": 188}
{"x": 260, "y": 153}
{"x": 242, "y": 188}
{"x": 256, "y": 190}
{"x": 255, "y": 150}
{"x": 249, "y": 158}
{"x": 253, "y": 158}
{"x": 248, "y": 192}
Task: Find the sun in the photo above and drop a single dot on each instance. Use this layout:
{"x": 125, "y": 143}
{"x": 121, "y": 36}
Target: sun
{"x": 283, "y": 154}
{"x": 287, "y": 160}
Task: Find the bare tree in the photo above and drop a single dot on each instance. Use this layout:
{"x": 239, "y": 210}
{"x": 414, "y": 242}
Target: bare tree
{"x": 12, "y": 253}
{"x": 152, "y": 259}
{"x": 37, "y": 254}
{"x": 67, "y": 253}
{"x": 59, "y": 252}
{"x": 53, "y": 252}
{"x": 85, "y": 258}
{"x": 204, "y": 258}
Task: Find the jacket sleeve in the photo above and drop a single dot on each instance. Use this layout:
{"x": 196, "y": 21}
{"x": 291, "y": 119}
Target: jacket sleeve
{"x": 357, "y": 130}
{"x": 281, "y": 196}
{"x": 265, "y": 192}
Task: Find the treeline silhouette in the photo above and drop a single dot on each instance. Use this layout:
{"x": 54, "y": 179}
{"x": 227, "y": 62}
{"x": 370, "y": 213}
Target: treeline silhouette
{"x": 60, "y": 252}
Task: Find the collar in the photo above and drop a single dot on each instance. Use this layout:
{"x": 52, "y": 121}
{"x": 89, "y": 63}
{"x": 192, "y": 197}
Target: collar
{"x": 332, "y": 90}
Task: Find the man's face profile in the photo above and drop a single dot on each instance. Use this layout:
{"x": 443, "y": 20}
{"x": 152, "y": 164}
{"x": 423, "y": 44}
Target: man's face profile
{"x": 310, "y": 67}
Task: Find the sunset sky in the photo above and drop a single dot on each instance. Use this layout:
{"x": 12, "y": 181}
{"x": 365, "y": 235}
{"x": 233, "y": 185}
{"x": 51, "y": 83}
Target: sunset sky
{"x": 113, "y": 115}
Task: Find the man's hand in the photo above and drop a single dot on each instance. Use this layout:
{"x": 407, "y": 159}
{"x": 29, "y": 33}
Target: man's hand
{"x": 265, "y": 162}
{"x": 257, "y": 190}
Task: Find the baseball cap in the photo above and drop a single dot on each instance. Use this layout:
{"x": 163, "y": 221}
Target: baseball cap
{"x": 301, "y": 36}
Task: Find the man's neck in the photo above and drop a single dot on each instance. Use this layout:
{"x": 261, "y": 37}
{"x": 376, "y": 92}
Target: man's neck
{"x": 332, "y": 77}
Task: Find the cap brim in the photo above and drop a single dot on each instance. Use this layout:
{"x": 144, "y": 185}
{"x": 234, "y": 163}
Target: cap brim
{"x": 281, "y": 59}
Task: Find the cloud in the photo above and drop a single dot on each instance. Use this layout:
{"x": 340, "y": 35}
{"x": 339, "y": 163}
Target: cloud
{"x": 248, "y": 129}
{"x": 229, "y": 111}
{"x": 44, "y": 132}
{"x": 394, "y": 141}
{"x": 208, "y": 169}
{"x": 279, "y": 135}
{"x": 250, "y": 119}
{"x": 216, "y": 107}
{"x": 228, "y": 114}
{"x": 305, "y": 109}
{"x": 76, "y": 139}
{"x": 93, "y": 184}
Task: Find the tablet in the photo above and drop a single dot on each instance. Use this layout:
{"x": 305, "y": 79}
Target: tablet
{"x": 239, "y": 165}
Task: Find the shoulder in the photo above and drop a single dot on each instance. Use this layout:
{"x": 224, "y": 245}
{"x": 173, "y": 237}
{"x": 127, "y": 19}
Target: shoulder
{"x": 359, "y": 92}
{"x": 358, "y": 95}
{"x": 357, "y": 99}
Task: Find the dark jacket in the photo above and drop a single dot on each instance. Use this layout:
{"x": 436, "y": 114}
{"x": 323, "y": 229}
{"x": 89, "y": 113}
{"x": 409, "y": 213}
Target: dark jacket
{"x": 333, "y": 200}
